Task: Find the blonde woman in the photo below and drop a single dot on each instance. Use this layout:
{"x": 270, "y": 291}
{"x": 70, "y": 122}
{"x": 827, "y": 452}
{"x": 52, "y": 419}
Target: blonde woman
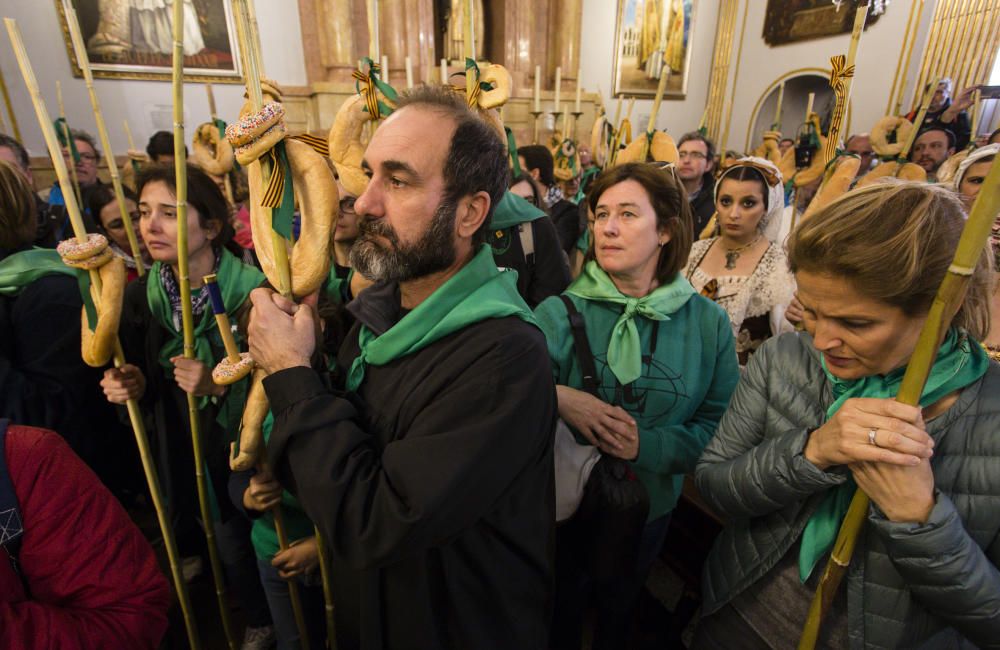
{"x": 814, "y": 418}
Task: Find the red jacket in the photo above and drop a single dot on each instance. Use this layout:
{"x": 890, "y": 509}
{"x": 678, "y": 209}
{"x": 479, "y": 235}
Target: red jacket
{"x": 92, "y": 577}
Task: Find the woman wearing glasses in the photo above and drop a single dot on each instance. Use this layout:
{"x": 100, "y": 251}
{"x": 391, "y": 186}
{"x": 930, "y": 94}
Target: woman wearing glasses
{"x": 740, "y": 268}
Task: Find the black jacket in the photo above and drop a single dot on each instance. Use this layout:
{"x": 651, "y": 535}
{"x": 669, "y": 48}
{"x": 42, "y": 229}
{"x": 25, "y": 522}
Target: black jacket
{"x": 703, "y": 205}
{"x": 433, "y": 485}
{"x": 542, "y": 274}
{"x": 960, "y": 126}
{"x": 45, "y": 383}
{"x": 165, "y": 409}
{"x": 566, "y": 218}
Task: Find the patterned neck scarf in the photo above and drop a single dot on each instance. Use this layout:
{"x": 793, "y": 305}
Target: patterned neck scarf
{"x": 199, "y": 299}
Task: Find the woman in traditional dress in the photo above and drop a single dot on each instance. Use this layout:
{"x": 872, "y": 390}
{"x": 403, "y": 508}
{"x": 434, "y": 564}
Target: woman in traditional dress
{"x": 159, "y": 375}
{"x": 740, "y": 268}
{"x": 664, "y": 369}
{"x": 814, "y": 418}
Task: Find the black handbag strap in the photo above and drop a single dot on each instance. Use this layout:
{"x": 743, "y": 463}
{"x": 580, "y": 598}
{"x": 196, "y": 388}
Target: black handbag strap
{"x": 582, "y": 346}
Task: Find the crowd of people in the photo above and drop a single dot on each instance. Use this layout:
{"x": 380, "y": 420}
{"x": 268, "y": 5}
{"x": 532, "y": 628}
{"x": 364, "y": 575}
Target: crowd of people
{"x": 491, "y": 439}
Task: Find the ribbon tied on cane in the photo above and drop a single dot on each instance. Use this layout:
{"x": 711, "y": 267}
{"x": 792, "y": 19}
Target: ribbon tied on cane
{"x": 369, "y": 85}
{"x": 279, "y": 195}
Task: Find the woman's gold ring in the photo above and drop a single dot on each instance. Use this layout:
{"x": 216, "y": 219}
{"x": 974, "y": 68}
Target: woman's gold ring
{"x": 871, "y": 436}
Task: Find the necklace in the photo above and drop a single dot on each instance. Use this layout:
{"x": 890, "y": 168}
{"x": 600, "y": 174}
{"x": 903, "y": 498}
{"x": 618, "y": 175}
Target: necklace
{"x": 733, "y": 254}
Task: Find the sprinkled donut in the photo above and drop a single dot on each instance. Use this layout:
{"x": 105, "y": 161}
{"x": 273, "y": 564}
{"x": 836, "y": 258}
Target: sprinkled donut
{"x": 228, "y": 372}
{"x": 93, "y": 262}
{"x": 254, "y": 125}
{"x": 75, "y": 250}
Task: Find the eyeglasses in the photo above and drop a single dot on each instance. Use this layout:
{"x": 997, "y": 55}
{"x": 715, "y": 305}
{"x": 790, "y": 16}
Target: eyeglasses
{"x": 85, "y": 157}
{"x": 693, "y": 155}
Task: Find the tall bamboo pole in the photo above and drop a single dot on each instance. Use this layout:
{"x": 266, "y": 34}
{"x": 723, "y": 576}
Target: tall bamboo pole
{"x": 470, "y": 47}
{"x": 213, "y": 116}
{"x": 975, "y": 41}
{"x": 909, "y": 53}
{"x": 843, "y": 98}
{"x": 135, "y": 416}
{"x": 961, "y": 64}
{"x": 651, "y": 125}
{"x": 249, "y": 44}
{"x": 952, "y": 60}
{"x": 187, "y": 320}
{"x": 10, "y": 107}
{"x": 102, "y": 131}
{"x": 982, "y": 70}
{"x": 736, "y": 76}
{"x": 921, "y": 113}
{"x": 900, "y": 71}
{"x": 374, "y": 46}
{"x": 720, "y": 74}
{"x": 975, "y": 110}
{"x": 946, "y": 304}
{"x": 931, "y": 45}
{"x": 941, "y": 64}
{"x": 68, "y": 137}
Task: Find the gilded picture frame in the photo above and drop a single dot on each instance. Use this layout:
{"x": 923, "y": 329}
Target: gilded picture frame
{"x": 124, "y": 42}
{"x": 648, "y": 32}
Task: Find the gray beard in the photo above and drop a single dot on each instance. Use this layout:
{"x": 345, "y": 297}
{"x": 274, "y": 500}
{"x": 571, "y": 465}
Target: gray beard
{"x": 433, "y": 252}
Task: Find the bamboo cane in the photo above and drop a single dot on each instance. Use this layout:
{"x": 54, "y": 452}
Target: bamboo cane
{"x": 961, "y": 70}
{"x": 283, "y": 283}
{"x": 924, "y": 105}
{"x": 946, "y": 304}
{"x": 982, "y": 70}
{"x": 10, "y": 107}
{"x": 68, "y": 137}
{"x": 135, "y": 416}
{"x": 932, "y": 53}
{"x": 187, "y": 320}
{"x": 324, "y": 570}
{"x": 975, "y": 41}
{"x": 470, "y": 46}
{"x": 736, "y": 76}
{"x": 776, "y": 124}
{"x": 128, "y": 135}
{"x": 651, "y": 125}
{"x": 843, "y": 98}
{"x": 946, "y": 65}
{"x": 102, "y": 132}
{"x": 618, "y": 132}
{"x": 899, "y": 63}
{"x": 909, "y": 53}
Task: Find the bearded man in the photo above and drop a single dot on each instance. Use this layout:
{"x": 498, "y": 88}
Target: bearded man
{"x": 431, "y": 474}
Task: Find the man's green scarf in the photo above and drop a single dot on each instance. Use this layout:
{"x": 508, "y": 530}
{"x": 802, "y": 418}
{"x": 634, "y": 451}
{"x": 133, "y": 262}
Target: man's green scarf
{"x": 477, "y": 292}
{"x": 959, "y": 363}
{"x": 236, "y": 280}
{"x": 625, "y": 347}
{"x": 513, "y": 210}
{"x": 18, "y": 270}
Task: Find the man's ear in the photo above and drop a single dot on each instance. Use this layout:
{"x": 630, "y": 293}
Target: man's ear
{"x": 472, "y": 213}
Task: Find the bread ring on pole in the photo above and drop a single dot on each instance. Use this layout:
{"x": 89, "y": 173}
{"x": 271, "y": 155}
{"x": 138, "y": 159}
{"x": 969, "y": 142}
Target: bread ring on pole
{"x": 345, "y": 147}
{"x": 844, "y": 170}
{"x": 73, "y": 250}
{"x": 892, "y": 169}
{"x": 251, "y": 442}
{"x": 98, "y": 345}
{"x": 500, "y": 79}
{"x": 316, "y": 196}
{"x": 888, "y": 128}
{"x": 599, "y": 140}
{"x": 212, "y": 153}
{"x": 661, "y": 149}
{"x": 228, "y": 372}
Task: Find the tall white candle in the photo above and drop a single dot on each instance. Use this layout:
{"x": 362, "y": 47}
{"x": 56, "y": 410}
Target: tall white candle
{"x": 538, "y": 89}
{"x": 558, "y": 108}
{"x": 444, "y": 71}
{"x": 579, "y": 86}
{"x": 409, "y": 73}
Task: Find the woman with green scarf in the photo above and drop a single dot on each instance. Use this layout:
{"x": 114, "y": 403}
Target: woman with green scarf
{"x": 160, "y": 376}
{"x": 665, "y": 369}
{"x": 813, "y": 419}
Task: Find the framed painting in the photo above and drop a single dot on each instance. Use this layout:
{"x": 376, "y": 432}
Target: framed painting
{"x": 133, "y": 39}
{"x": 648, "y": 35}
{"x": 790, "y": 21}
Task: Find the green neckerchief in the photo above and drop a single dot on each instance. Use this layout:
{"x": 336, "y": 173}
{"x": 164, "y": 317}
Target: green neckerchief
{"x": 624, "y": 347}
{"x": 236, "y": 280}
{"x": 588, "y": 175}
{"x": 18, "y": 270}
{"x": 959, "y": 363}
{"x": 334, "y": 287}
{"x": 513, "y": 210}
{"x": 477, "y": 292}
